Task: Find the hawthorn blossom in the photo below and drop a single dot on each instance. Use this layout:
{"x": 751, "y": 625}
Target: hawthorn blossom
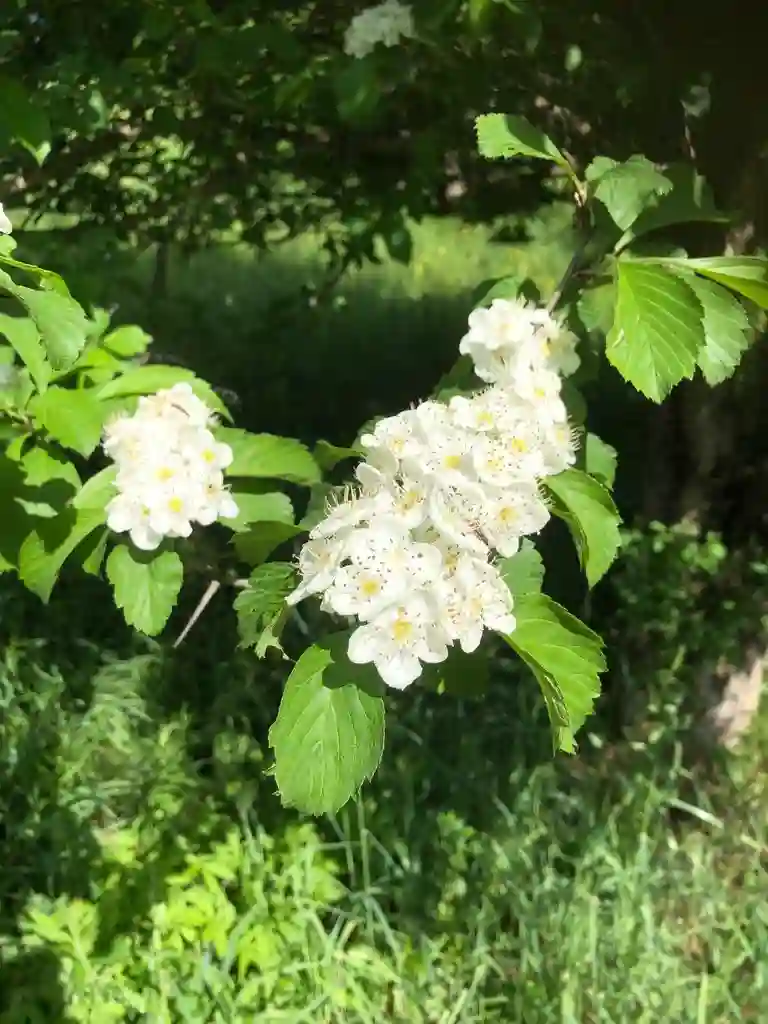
{"x": 5, "y": 222}
{"x": 386, "y": 23}
{"x": 169, "y": 469}
{"x": 443, "y": 490}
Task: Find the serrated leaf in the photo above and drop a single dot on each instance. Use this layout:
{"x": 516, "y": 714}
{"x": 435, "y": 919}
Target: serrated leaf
{"x": 41, "y": 464}
{"x": 50, "y": 481}
{"x": 507, "y": 135}
{"x": 268, "y": 456}
{"x": 627, "y": 189}
{"x": 49, "y": 545}
{"x": 588, "y": 509}
{"x": 690, "y": 200}
{"x": 258, "y": 504}
{"x": 97, "y": 491}
{"x": 146, "y": 585}
{"x": 567, "y": 659}
{"x": 328, "y": 455}
{"x": 146, "y": 380}
{"x": 496, "y": 288}
{"x": 726, "y": 329}
{"x": 746, "y": 275}
{"x": 657, "y": 330}
{"x": 524, "y": 572}
{"x": 22, "y": 120}
{"x": 74, "y": 418}
{"x": 328, "y": 737}
{"x": 127, "y": 341}
{"x": 255, "y": 544}
{"x": 23, "y": 336}
{"x": 60, "y": 321}
{"x": 261, "y": 608}
{"x": 600, "y": 460}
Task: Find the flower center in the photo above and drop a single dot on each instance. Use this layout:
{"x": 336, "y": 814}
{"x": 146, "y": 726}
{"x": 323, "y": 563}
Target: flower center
{"x": 370, "y": 588}
{"x": 402, "y": 630}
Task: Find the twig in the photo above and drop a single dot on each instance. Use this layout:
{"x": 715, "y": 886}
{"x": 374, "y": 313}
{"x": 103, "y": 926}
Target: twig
{"x": 205, "y": 600}
{"x": 570, "y": 270}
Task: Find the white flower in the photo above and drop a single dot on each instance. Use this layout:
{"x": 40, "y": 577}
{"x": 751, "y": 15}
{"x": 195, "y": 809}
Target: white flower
{"x": 319, "y": 559}
{"x": 442, "y": 489}
{"x": 5, "y": 223}
{"x": 510, "y": 514}
{"x": 169, "y": 468}
{"x": 512, "y": 336}
{"x": 386, "y": 23}
{"x": 127, "y": 515}
{"x": 474, "y": 598}
{"x": 542, "y": 388}
{"x": 398, "y": 640}
{"x": 364, "y": 590}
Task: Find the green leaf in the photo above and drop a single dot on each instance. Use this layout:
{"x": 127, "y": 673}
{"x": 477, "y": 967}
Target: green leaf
{"x": 258, "y": 542}
{"x": 74, "y": 418}
{"x": 328, "y": 737}
{"x": 268, "y": 456}
{"x": 657, "y": 330}
{"x": 146, "y": 585}
{"x": 41, "y": 464}
{"x": 50, "y": 481}
{"x": 127, "y": 341}
{"x": 600, "y": 460}
{"x": 23, "y": 336}
{"x": 22, "y": 120}
{"x": 727, "y": 329}
{"x": 358, "y": 90}
{"x": 257, "y": 504}
{"x": 690, "y": 200}
{"x": 47, "y": 547}
{"x": 261, "y": 608}
{"x": 507, "y": 135}
{"x": 146, "y": 380}
{"x": 593, "y": 519}
{"x": 524, "y": 572}
{"x": 626, "y": 189}
{"x": 61, "y": 322}
{"x": 96, "y": 492}
{"x": 565, "y": 656}
{"x": 328, "y": 455}
{"x": 747, "y": 275}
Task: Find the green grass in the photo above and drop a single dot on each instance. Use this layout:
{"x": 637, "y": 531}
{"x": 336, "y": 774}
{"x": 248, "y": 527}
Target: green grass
{"x": 476, "y": 880}
{"x": 148, "y": 870}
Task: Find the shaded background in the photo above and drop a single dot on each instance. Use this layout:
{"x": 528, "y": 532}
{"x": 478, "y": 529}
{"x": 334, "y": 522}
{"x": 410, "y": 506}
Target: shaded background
{"x": 306, "y": 232}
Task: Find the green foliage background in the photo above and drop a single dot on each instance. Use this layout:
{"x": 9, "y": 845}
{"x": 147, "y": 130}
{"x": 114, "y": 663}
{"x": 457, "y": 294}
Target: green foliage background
{"x": 278, "y": 219}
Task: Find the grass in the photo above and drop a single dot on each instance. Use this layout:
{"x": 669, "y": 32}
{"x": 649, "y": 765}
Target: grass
{"x": 475, "y": 880}
{"x": 149, "y": 873}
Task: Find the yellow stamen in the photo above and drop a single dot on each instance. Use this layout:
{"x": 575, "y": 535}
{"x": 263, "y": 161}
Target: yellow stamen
{"x": 175, "y": 504}
{"x": 402, "y": 630}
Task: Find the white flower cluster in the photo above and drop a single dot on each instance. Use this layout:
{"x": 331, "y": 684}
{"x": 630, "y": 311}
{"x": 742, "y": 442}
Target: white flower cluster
{"x": 169, "y": 468}
{"x": 386, "y": 23}
{"x": 5, "y": 222}
{"x": 444, "y": 487}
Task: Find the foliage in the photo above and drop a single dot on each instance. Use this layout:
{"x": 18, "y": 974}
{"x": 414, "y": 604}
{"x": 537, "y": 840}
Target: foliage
{"x": 473, "y": 872}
